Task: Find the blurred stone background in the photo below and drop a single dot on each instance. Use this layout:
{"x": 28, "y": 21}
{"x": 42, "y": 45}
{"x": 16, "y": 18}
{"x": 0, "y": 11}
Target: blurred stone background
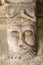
{"x": 3, "y": 34}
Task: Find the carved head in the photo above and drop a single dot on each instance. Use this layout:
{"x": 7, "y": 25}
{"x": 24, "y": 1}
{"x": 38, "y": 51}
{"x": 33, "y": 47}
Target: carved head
{"x": 21, "y": 33}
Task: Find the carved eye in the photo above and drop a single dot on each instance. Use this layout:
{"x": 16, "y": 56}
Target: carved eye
{"x": 28, "y": 33}
{"x": 15, "y": 33}
{"x": 29, "y": 37}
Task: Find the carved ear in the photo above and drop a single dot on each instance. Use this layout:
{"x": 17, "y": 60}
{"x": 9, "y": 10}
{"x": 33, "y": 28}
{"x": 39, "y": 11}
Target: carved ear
{"x": 0, "y": 3}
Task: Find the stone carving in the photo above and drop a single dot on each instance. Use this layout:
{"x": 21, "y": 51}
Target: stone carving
{"x": 19, "y": 1}
{"x": 21, "y": 30}
{"x": 21, "y": 33}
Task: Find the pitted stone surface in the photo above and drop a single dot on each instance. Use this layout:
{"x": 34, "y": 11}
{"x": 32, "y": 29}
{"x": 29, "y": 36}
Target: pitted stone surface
{"x": 15, "y": 27}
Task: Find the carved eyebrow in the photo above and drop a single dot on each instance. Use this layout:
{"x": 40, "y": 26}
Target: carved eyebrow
{"x": 28, "y": 33}
{"x": 14, "y": 32}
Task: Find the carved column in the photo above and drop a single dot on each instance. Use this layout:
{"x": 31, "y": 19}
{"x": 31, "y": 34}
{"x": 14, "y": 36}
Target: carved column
{"x": 21, "y": 30}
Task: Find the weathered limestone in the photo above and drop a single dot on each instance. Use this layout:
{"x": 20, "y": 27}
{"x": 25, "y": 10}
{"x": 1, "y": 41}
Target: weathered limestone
{"x": 21, "y": 30}
{"x": 19, "y": 1}
{"x": 21, "y": 33}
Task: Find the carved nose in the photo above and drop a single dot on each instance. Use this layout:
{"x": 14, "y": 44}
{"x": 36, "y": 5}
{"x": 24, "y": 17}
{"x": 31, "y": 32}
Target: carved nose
{"x": 21, "y": 42}
{"x": 20, "y": 45}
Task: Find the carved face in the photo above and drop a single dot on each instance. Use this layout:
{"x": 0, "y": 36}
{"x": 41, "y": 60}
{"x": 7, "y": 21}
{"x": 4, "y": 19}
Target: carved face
{"x": 21, "y": 33}
{"x": 21, "y": 38}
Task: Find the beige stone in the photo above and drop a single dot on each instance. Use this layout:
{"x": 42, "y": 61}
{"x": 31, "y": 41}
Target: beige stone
{"x": 15, "y": 1}
{"x": 21, "y": 30}
{"x": 17, "y": 30}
